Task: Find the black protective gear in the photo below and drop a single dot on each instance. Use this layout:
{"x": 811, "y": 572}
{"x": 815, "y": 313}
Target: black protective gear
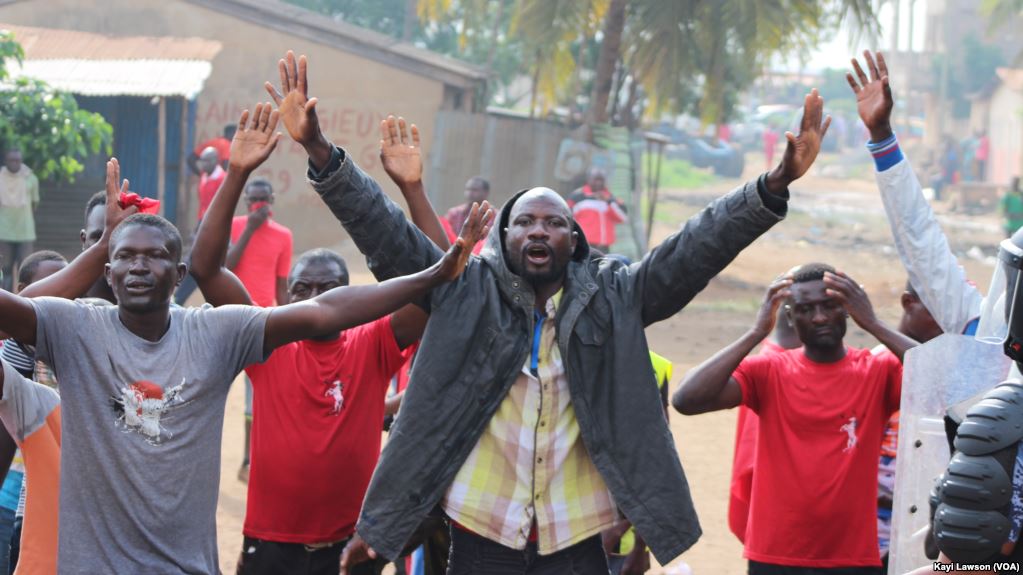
{"x": 971, "y": 500}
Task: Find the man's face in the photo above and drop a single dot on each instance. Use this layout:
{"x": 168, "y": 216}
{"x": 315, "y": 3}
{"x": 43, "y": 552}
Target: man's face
{"x": 819, "y": 319}
{"x": 597, "y": 183}
{"x": 94, "y": 225}
{"x": 143, "y": 271}
{"x": 208, "y": 160}
{"x": 475, "y": 192}
{"x": 311, "y": 279}
{"x": 316, "y": 277}
{"x": 917, "y": 322}
{"x": 539, "y": 241}
{"x": 12, "y": 160}
{"x": 45, "y": 269}
{"x": 258, "y": 193}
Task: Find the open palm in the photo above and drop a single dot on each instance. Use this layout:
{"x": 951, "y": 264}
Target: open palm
{"x": 255, "y": 138}
{"x": 874, "y": 100}
{"x": 297, "y": 109}
{"x": 400, "y": 153}
{"x": 476, "y": 227}
{"x": 802, "y": 150}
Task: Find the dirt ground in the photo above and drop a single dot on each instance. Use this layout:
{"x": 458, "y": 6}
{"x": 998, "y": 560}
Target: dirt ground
{"x": 834, "y": 218}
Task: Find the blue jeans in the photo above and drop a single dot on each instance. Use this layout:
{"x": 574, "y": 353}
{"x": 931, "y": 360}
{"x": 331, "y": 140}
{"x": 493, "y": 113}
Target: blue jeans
{"x": 6, "y": 529}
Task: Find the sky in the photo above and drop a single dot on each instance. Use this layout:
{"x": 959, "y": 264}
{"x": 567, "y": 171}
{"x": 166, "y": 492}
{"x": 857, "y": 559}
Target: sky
{"x": 837, "y": 52}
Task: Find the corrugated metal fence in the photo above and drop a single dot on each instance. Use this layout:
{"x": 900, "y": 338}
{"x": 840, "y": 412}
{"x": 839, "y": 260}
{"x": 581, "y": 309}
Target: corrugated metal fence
{"x": 512, "y": 153}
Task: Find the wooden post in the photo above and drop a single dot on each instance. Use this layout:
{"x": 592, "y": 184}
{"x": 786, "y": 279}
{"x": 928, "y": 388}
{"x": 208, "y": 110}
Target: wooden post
{"x": 161, "y": 153}
{"x": 181, "y": 215}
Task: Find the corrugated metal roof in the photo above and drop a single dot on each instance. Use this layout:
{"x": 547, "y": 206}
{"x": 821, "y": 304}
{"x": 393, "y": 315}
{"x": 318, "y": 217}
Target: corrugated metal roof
{"x": 101, "y": 65}
{"x": 120, "y": 77}
{"x": 56, "y": 44}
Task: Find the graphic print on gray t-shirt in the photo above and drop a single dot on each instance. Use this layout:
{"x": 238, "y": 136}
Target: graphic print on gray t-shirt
{"x": 142, "y": 425}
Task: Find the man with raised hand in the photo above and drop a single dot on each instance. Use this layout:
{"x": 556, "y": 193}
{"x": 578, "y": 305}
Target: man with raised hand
{"x": 933, "y": 269}
{"x": 144, "y": 386}
{"x": 319, "y": 402}
{"x": 531, "y": 393}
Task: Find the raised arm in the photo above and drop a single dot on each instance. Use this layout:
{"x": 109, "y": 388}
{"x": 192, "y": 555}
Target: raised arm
{"x": 675, "y": 271}
{"x": 17, "y": 316}
{"x": 392, "y": 245}
{"x": 710, "y": 385}
{"x": 345, "y": 307}
{"x": 402, "y": 159}
{"x": 923, "y": 248}
{"x": 856, "y": 302}
{"x": 252, "y": 145}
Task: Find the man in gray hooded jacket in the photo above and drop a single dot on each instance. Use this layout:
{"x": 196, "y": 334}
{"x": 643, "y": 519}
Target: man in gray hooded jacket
{"x": 531, "y": 421}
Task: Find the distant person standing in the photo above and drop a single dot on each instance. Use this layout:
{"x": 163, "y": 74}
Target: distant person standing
{"x": 982, "y": 155}
{"x": 221, "y": 143}
{"x": 19, "y": 198}
{"x": 597, "y": 211}
{"x": 210, "y": 177}
{"x": 260, "y": 255}
{"x": 1011, "y": 207}
{"x": 477, "y": 189}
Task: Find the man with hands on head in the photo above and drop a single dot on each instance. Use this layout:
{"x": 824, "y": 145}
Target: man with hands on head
{"x": 533, "y": 342}
{"x": 822, "y": 410}
{"x": 144, "y": 386}
{"x": 319, "y": 401}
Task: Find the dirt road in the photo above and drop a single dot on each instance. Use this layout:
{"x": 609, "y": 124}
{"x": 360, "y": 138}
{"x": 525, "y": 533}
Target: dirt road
{"x": 838, "y": 221}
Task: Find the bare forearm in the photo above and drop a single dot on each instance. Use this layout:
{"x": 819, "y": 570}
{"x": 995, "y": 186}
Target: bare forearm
{"x": 393, "y": 404}
{"x": 214, "y": 233}
{"x": 423, "y": 215}
{"x": 319, "y": 150}
{"x": 892, "y": 339}
{"x": 702, "y": 387}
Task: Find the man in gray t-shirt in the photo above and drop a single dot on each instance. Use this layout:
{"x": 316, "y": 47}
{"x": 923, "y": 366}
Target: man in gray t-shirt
{"x": 144, "y": 386}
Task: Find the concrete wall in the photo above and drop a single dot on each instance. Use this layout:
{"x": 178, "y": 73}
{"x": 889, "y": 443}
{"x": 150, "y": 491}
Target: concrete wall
{"x": 354, "y": 93}
{"x": 1006, "y": 132}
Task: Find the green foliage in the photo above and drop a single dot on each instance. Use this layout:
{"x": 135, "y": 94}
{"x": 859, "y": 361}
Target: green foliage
{"x": 971, "y": 69}
{"x": 53, "y": 134}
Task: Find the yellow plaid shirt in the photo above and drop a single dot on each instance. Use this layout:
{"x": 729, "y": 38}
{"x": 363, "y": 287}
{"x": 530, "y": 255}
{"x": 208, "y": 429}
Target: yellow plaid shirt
{"x": 531, "y": 463}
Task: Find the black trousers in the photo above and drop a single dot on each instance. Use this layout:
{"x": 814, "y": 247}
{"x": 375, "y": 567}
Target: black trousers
{"x": 271, "y": 558}
{"x": 758, "y": 568}
{"x": 475, "y": 555}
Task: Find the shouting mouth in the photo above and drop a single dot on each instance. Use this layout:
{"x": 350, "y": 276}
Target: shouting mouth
{"x": 538, "y": 254}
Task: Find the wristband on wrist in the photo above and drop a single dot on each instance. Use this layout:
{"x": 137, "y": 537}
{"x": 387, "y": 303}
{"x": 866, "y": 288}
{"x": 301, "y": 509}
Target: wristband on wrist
{"x": 886, "y": 153}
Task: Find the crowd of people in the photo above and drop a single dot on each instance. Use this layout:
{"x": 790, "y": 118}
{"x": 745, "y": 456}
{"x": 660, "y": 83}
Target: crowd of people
{"x": 531, "y": 433}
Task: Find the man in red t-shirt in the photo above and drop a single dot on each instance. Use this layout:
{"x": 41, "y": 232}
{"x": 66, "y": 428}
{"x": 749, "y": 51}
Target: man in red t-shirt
{"x": 210, "y": 177}
{"x": 822, "y": 411}
{"x": 260, "y": 255}
{"x": 597, "y": 211}
{"x": 221, "y": 143}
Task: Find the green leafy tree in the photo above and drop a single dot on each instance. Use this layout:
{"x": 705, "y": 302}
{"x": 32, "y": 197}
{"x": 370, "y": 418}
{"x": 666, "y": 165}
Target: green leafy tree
{"x": 53, "y": 134}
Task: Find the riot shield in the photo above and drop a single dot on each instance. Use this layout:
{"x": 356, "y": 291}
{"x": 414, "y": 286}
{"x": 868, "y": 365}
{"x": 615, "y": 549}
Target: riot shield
{"x": 944, "y": 372}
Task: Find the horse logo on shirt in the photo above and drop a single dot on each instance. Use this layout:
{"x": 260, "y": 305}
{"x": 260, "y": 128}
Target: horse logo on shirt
{"x": 850, "y": 429}
{"x": 142, "y": 404}
{"x": 334, "y": 391}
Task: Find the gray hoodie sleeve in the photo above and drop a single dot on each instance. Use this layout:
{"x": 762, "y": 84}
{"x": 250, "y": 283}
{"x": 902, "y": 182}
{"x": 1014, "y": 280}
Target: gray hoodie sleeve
{"x": 674, "y": 272}
{"x": 393, "y": 246}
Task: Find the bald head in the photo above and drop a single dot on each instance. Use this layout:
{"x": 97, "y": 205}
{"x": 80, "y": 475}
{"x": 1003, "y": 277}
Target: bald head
{"x": 208, "y": 159}
{"x": 541, "y": 195}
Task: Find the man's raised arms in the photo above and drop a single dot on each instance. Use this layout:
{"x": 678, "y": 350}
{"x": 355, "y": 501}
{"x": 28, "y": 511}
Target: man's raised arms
{"x": 251, "y": 146}
{"x": 17, "y": 316}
